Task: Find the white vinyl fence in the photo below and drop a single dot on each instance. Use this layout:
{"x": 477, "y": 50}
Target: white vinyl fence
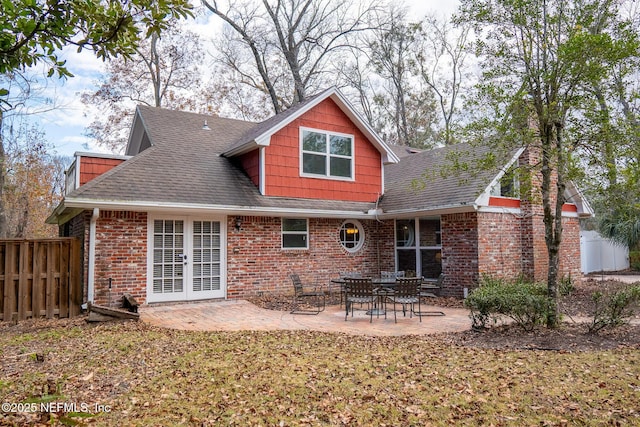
{"x": 600, "y": 254}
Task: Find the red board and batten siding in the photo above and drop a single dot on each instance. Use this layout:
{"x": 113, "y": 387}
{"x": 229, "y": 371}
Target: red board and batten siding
{"x": 93, "y": 167}
{"x": 282, "y": 161}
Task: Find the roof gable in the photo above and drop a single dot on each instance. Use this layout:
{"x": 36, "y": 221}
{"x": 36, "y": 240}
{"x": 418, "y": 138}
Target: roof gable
{"x": 261, "y": 134}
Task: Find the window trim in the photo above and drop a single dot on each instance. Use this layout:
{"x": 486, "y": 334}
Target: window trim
{"x": 327, "y": 154}
{"x": 417, "y": 246}
{"x": 298, "y": 233}
{"x": 514, "y": 180}
{"x": 361, "y": 234}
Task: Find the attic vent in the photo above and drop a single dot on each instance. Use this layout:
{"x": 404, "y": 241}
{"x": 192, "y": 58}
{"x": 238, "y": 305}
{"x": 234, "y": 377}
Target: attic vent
{"x": 206, "y": 126}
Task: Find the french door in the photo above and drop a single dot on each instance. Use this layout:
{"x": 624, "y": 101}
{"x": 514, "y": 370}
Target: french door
{"x": 186, "y": 259}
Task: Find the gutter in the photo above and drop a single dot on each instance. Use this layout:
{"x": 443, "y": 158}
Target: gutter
{"x": 92, "y": 255}
{"x": 187, "y": 208}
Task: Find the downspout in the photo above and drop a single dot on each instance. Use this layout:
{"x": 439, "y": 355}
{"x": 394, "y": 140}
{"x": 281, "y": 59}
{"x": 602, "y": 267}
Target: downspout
{"x": 92, "y": 255}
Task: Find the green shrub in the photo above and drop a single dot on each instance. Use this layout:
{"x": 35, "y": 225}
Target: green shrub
{"x": 482, "y": 303}
{"x": 614, "y": 309}
{"x": 526, "y": 303}
{"x": 566, "y": 286}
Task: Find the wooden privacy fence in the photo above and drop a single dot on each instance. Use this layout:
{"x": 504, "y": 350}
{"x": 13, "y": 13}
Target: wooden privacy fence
{"x": 40, "y": 278}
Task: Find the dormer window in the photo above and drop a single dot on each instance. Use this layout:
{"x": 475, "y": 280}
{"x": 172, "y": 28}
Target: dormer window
{"x": 326, "y": 154}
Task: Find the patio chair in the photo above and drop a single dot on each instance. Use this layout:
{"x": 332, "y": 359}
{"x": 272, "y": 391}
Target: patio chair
{"x": 306, "y": 301}
{"x": 428, "y": 290}
{"x": 359, "y": 291}
{"x": 344, "y": 275}
{"x": 407, "y": 293}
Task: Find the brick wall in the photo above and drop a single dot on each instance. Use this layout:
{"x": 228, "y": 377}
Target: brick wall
{"x": 472, "y": 244}
{"x": 256, "y": 263}
{"x": 500, "y": 249}
{"x": 121, "y": 254}
{"x": 535, "y": 253}
{"x": 570, "y": 249}
{"x": 501, "y": 245}
{"x": 459, "y": 252}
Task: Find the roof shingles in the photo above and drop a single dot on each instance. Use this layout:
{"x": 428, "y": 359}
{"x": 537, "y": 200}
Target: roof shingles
{"x": 185, "y": 166}
{"x": 424, "y": 182}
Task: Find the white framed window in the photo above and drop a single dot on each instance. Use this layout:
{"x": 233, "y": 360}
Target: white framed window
{"x": 419, "y": 246}
{"x": 509, "y": 184}
{"x": 326, "y": 154}
{"x": 351, "y": 235}
{"x": 295, "y": 233}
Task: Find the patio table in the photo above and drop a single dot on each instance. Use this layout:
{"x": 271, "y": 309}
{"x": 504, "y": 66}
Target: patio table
{"x": 386, "y": 285}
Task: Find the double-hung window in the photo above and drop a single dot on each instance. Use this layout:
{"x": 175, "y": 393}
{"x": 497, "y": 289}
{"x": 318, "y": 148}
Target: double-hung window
{"x": 326, "y": 154}
{"x": 295, "y": 233}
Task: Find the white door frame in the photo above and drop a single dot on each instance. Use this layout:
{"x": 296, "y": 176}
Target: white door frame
{"x": 187, "y": 294}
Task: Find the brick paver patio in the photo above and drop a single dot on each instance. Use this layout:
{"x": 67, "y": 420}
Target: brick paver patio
{"x": 237, "y": 315}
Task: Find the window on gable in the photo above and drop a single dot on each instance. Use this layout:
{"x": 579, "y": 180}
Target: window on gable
{"x": 295, "y": 233}
{"x": 509, "y": 185}
{"x": 326, "y": 154}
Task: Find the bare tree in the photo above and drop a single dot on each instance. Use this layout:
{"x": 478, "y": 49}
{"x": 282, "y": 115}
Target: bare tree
{"x": 441, "y": 58}
{"x": 293, "y": 44}
{"x": 401, "y": 98}
{"x": 163, "y": 72}
{"x": 22, "y": 90}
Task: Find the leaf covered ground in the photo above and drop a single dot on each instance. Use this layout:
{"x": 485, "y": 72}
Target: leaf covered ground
{"x": 128, "y": 373}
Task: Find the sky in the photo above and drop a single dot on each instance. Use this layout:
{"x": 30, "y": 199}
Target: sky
{"x": 65, "y": 125}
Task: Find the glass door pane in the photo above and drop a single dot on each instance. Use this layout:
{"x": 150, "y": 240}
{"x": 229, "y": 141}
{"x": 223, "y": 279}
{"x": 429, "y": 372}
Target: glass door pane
{"x": 206, "y": 257}
{"x": 168, "y": 256}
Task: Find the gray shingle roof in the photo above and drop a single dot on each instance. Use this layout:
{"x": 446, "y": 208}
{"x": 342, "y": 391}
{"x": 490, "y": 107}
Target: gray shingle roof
{"x": 271, "y": 122}
{"x": 426, "y": 181}
{"x": 185, "y": 166}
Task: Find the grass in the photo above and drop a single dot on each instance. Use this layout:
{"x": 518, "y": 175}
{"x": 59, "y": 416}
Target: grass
{"x": 149, "y": 376}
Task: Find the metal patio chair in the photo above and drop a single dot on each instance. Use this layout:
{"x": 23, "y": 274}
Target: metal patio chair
{"x": 307, "y": 301}
{"x": 359, "y": 291}
{"x": 428, "y": 289}
{"x": 406, "y": 293}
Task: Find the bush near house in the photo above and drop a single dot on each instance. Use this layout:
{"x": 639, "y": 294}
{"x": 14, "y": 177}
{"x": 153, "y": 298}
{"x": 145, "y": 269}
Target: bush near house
{"x": 615, "y": 308}
{"x": 526, "y": 303}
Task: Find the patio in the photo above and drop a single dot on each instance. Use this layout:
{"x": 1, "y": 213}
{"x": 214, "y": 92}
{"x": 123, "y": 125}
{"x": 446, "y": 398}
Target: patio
{"x": 239, "y": 315}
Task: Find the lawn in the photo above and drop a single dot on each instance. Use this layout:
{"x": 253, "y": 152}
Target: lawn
{"x": 133, "y": 374}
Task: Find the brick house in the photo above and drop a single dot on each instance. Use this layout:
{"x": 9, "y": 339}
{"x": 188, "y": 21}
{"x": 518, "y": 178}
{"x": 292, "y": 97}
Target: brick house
{"x": 205, "y": 207}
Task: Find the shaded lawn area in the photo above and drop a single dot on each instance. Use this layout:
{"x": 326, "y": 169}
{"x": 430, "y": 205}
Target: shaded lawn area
{"x": 150, "y": 376}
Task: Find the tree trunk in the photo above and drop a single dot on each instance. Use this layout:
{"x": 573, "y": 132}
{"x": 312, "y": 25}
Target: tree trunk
{"x": 155, "y": 70}
{"x": 553, "y": 149}
{"x": 3, "y": 214}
